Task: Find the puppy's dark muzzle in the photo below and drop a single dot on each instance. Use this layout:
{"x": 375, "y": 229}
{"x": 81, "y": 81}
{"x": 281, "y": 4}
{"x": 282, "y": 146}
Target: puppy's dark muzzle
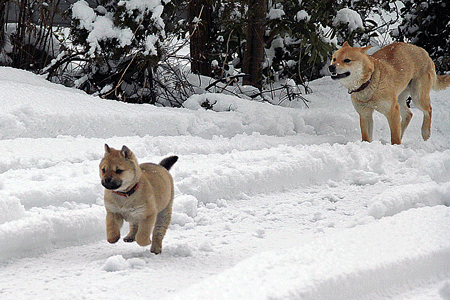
{"x": 111, "y": 184}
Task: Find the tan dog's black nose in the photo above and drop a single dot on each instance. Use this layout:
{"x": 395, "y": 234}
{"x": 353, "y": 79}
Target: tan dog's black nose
{"x": 332, "y": 69}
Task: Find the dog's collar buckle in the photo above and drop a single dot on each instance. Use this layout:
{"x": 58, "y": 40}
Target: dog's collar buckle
{"x": 127, "y": 194}
{"x": 362, "y": 87}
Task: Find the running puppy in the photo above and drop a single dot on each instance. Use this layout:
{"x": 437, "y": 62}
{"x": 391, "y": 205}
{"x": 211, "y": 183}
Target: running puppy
{"x": 140, "y": 194}
{"x": 384, "y": 80}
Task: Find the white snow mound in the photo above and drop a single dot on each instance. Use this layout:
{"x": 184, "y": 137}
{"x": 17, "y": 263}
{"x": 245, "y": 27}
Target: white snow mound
{"x": 342, "y": 264}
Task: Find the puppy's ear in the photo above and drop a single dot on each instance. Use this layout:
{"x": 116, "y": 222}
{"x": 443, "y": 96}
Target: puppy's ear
{"x": 366, "y": 48}
{"x": 107, "y": 149}
{"x": 345, "y": 45}
{"x": 125, "y": 152}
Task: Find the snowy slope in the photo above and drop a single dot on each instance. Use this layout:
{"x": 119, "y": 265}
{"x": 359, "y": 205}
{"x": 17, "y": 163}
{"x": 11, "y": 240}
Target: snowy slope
{"x": 271, "y": 202}
{"x": 361, "y": 262}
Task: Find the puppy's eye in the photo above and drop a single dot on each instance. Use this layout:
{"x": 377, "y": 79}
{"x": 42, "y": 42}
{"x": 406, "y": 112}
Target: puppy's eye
{"x": 347, "y": 60}
{"x": 334, "y": 59}
{"x": 119, "y": 171}
{"x": 103, "y": 170}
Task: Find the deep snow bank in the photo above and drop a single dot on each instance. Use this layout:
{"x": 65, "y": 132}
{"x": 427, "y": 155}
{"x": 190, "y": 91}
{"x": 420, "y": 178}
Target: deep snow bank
{"x": 62, "y": 189}
{"x": 393, "y": 254}
{"x": 38, "y": 108}
{"x": 395, "y": 200}
{"x": 231, "y": 174}
{"x": 41, "y": 230}
{"x": 318, "y": 177}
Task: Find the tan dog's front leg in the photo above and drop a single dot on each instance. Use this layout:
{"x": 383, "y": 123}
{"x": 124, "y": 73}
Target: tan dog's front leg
{"x": 366, "y": 124}
{"x": 144, "y": 230}
{"x": 365, "y": 119}
{"x": 113, "y": 224}
{"x": 393, "y": 117}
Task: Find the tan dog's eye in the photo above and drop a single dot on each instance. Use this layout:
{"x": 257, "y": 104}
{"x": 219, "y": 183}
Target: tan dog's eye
{"x": 118, "y": 171}
{"x": 347, "y": 60}
{"x": 103, "y": 170}
{"x": 334, "y": 59}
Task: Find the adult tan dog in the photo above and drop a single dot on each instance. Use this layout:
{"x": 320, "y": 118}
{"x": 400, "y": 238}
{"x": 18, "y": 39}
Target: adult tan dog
{"x": 140, "y": 194}
{"x": 384, "y": 80}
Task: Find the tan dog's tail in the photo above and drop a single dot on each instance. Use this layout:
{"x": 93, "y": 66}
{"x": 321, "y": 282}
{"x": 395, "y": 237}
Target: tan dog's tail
{"x": 441, "y": 82}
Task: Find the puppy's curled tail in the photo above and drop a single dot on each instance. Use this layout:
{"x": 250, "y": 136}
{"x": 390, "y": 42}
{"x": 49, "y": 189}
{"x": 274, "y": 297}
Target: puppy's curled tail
{"x": 442, "y": 82}
{"x": 168, "y": 162}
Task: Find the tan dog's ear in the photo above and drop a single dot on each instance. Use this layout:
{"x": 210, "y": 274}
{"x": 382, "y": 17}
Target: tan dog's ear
{"x": 107, "y": 149}
{"x": 345, "y": 45}
{"x": 125, "y": 152}
{"x": 366, "y": 48}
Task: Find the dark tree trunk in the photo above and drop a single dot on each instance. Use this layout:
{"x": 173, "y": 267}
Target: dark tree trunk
{"x": 254, "y": 52}
{"x": 3, "y": 11}
{"x": 200, "y": 33}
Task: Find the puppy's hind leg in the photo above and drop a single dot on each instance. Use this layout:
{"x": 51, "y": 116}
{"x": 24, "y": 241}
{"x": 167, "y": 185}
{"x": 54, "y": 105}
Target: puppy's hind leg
{"x": 162, "y": 223}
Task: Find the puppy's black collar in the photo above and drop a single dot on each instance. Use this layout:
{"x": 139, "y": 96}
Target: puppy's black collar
{"x": 128, "y": 193}
{"x": 362, "y": 87}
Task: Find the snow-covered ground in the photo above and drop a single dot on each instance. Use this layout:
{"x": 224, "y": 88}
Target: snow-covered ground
{"x": 271, "y": 202}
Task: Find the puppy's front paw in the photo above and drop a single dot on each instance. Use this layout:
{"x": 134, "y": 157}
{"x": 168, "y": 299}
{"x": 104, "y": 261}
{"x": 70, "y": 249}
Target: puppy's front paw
{"x": 128, "y": 239}
{"x": 114, "y": 239}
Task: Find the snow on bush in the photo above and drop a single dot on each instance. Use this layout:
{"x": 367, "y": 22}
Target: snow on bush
{"x": 119, "y": 42}
{"x": 100, "y": 24}
{"x": 302, "y": 15}
{"x": 100, "y": 28}
{"x": 216, "y": 102}
{"x": 86, "y": 15}
{"x": 348, "y": 17}
{"x": 275, "y": 13}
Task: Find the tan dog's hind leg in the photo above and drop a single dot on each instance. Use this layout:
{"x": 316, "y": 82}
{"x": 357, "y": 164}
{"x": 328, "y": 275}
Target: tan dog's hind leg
{"x": 421, "y": 98}
{"x": 425, "y": 106}
{"x": 426, "y": 125}
{"x": 162, "y": 223}
{"x": 144, "y": 230}
{"x": 405, "y": 112}
{"x": 131, "y": 236}
{"x": 113, "y": 224}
